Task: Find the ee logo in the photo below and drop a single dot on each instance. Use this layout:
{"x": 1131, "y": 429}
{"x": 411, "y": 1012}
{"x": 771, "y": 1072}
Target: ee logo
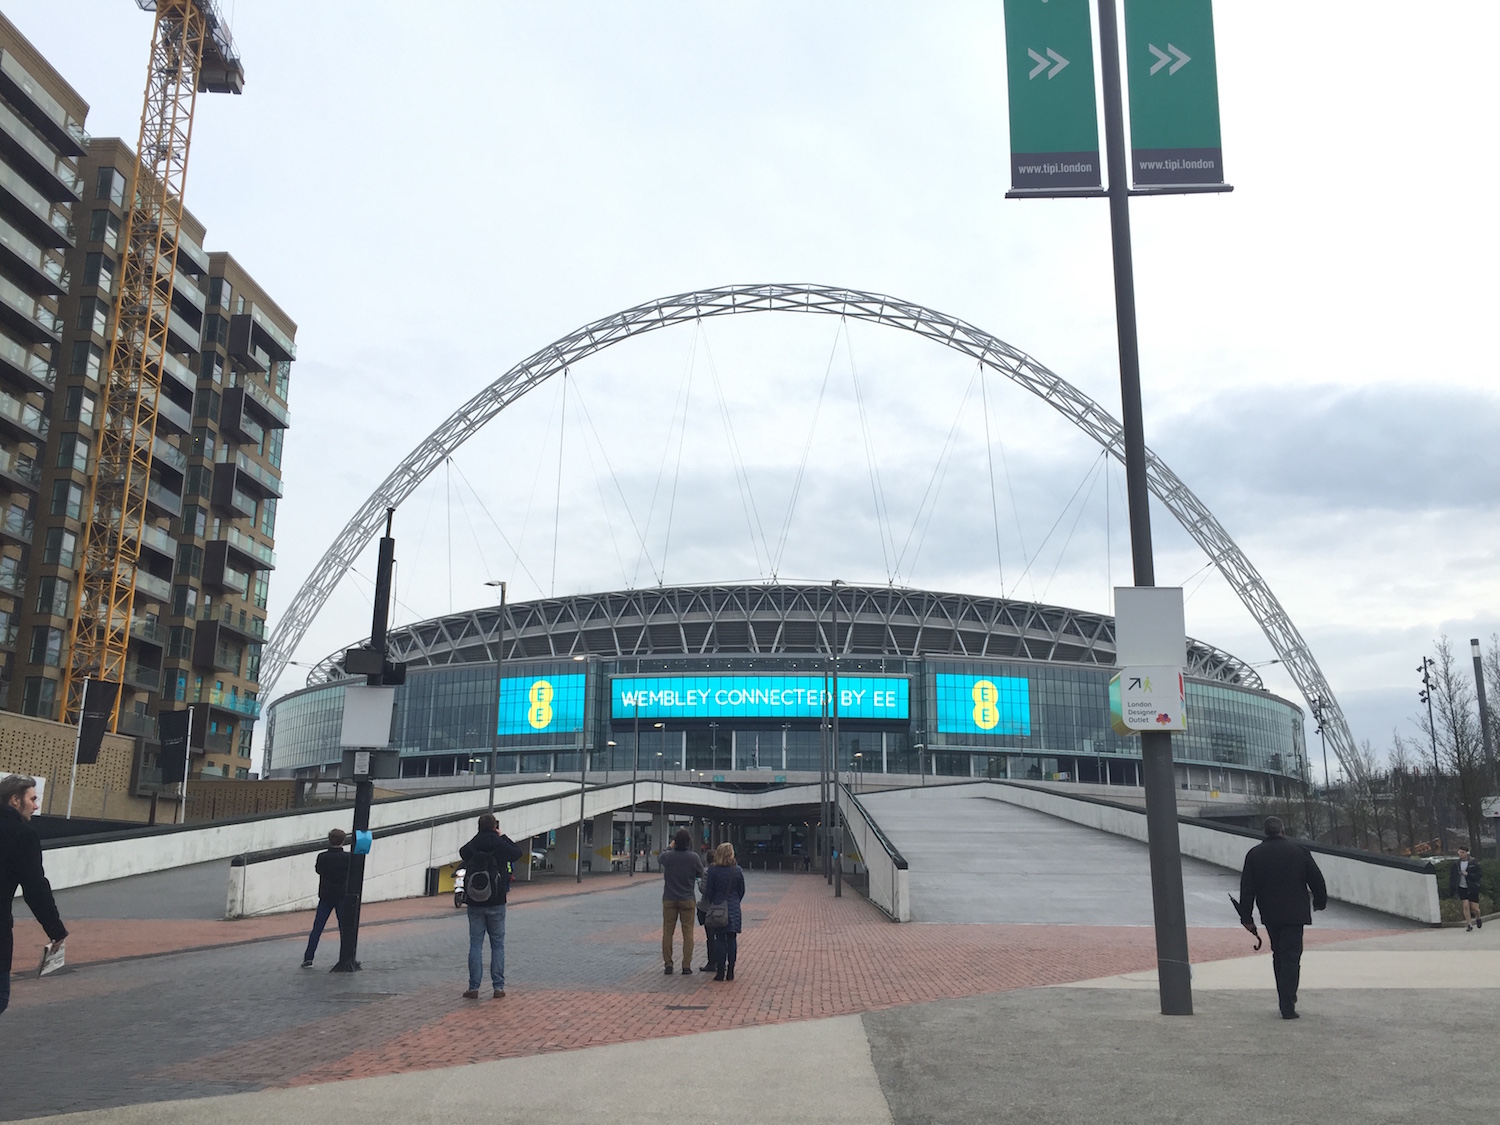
{"x": 539, "y": 714}
{"x": 986, "y": 713}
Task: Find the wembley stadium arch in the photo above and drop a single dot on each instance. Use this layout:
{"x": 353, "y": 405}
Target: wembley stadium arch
{"x": 958, "y": 335}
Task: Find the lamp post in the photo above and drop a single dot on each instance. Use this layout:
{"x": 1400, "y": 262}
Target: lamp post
{"x": 1318, "y": 708}
{"x": 838, "y": 827}
{"x": 1484, "y": 709}
{"x": 858, "y": 771}
{"x": 661, "y": 781}
{"x": 1425, "y": 695}
{"x": 583, "y": 779}
{"x": 921, "y": 749}
{"x": 635, "y": 766}
{"x": 499, "y": 680}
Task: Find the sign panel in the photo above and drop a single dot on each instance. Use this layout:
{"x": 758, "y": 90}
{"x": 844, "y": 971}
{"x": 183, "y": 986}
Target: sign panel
{"x": 757, "y": 697}
{"x": 367, "y": 716}
{"x": 1147, "y": 698}
{"x": 174, "y": 729}
{"x": 98, "y": 706}
{"x": 1150, "y": 626}
{"x": 541, "y": 704}
{"x": 983, "y": 704}
{"x": 1488, "y": 806}
{"x": 1054, "y": 119}
{"x": 1174, "y": 92}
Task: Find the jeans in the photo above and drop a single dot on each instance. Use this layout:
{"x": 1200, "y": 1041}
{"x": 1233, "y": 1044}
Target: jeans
{"x": 1286, "y": 962}
{"x": 7, "y": 939}
{"x": 487, "y": 920}
{"x": 326, "y": 906}
{"x": 673, "y": 911}
{"x": 726, "y": 945}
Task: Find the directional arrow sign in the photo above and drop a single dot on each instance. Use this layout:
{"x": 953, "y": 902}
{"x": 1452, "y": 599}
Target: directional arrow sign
{"x": 1054, "y": 123}
{"x": 1174, "y": 92}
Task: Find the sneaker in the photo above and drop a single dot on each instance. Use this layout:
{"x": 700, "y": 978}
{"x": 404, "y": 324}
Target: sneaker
{"x": 1479, "y": 921}
{"x": 471, "y": 994}
{"x": 1469, "y": 929}
{"x": 669, "y": 968}
{"x": 307, "y": 964}
{"x": 1290, "y": 1014}
{"x": 499, "y": 994}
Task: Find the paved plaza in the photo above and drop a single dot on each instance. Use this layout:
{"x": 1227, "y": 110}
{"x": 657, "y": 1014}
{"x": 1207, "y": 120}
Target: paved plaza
{"x": 838, "y": 1015}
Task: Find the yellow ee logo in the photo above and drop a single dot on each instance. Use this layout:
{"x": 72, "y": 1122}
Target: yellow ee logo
{"x": 539, "y": 714}
{"x": 986, "y": 713}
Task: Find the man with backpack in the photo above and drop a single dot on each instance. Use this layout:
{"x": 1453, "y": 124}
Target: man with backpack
{"x": 487, "y": 859}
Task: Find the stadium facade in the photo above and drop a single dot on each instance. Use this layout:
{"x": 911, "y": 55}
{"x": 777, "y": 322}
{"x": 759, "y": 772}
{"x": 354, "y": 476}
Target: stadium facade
{"x": 732, "y": 683}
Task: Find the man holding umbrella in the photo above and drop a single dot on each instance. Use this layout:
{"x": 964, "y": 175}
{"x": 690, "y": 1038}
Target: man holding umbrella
{"x": 1281, "y": 876}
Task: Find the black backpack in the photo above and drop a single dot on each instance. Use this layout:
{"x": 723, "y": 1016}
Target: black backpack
{"x": 482, "y": 886}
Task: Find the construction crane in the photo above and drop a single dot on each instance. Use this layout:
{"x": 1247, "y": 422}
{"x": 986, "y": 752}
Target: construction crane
{"x": 191, "y": 50}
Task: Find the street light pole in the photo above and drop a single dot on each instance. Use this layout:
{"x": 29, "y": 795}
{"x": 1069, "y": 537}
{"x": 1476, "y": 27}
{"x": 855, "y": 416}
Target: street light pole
{"x": 836, "y": 851}
{"x": 635, "y": 765}
{"x": 495, "y": 718}
{"x": 1484, "y": 709}
{"x": 1425, "y": 695}
{"x": 1173, "y": 971}
{"x": 1319, "y": 707}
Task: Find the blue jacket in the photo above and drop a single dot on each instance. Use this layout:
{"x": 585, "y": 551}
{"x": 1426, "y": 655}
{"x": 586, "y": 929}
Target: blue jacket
{"x": 726, "y": 883}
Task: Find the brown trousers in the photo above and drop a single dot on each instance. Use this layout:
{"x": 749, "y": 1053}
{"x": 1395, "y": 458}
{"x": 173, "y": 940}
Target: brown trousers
{"x": 674, "y": 910}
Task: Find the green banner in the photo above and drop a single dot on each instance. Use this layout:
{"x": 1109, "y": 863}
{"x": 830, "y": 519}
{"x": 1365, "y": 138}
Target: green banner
{"x": 1054, "y": 121}
{"x": 1174, "y": 92}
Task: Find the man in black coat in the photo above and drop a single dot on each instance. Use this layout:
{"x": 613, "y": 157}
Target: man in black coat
{"x": 1281, "y": 876}
{"x": 488, "y": 854}
{"x": 332, "y": 867}
{"x": 21, "y": 866}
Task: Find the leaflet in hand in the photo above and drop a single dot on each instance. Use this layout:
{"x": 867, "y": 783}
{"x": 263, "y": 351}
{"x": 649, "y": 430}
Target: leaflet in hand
{"x": 52, "y": 959}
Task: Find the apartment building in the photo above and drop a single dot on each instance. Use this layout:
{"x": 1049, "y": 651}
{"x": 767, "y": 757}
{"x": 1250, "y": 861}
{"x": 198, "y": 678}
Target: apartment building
{"x": 208, "y": 543}
{"x": 41, "y": 144}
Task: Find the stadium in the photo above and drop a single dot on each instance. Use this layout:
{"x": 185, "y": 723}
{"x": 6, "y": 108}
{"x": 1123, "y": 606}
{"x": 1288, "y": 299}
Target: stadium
{"x": 733, "y": 684}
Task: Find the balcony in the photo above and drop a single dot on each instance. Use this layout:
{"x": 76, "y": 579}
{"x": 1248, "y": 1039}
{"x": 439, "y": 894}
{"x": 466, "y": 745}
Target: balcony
{"x": 33, "y": 212}
{"x": 276, "y": 414}
{"x": 12, "y": 582}
{"x": 277, "y": 341}
{"x": 155, "y": 539}
{"x": 239, "y": 621}
{"x": 8, "y": 634}
{"x": 218, "y": 572}
{"x": 242, "y": 348}
{"x": 39, "y": 107}
{"x": 165, "y": 453}
{"x": 21, "y": 144}
{"x": 188, "y": 338}
{"x": 169, "y": 412}
{"x": 260, "y": 478}
{"x": 152, "y": 586}
{"x": 186, "y": 293}
{"x": 236, "y": 419}
{"x": 211, "y": 649}
{"x": 22, "y": 420}
{"x": 24, "y": 369}
{"x": 143, "y": 726}
{"x": 27, "y": 316}
{"x": 20, "y": 470}
{"x": 190, "y": 256}
{"x": 149, "y": 630}
{"x": 179, "y": 372}
{"x": 16, "y": 527}
{"x": 163, "y": 497}
{"x": 141, "y": 677}
{"x": 217, "y": 742}
{"x": 230, "y": 701}
{"x": 27, "y": 260}
{"x": 257, "y": 556}
{"x": 227, "y": 495}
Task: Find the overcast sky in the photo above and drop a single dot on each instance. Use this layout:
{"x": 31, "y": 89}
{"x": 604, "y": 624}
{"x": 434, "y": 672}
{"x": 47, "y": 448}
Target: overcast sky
{"x": 433, "y": 193}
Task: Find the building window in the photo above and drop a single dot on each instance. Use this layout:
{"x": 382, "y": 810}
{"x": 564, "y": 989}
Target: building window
{"x": 190, "y": 560}
{"x": 252, "y": 668}
{"x": 200, "y": 480}
{"x": 194, "y": 521}
{"x": 93, "y": 316}
{"x": 104, "y": 227}
{"x": 180, "y": 644}
{"x": 203, "y": 443}
{"x": 184, "y": 601}
{"x": 59, "y": 546}
{"x": 219, "y": 293}
{"x": 242, "y": 773}
{"x": 46, "y": 646}
{"x": 80, "y": 406}
{"x": 67, "y": 499}
{"x": 88, "y": 360}
{"x": 268, "y": 517}
{"x": 39, "y": 697}
{"x": 262, "y": 591}
{"x": 52, "y": 596}
{"x": 207, "y": 405}
{"x": 73, "y": 452}
{"x": 281, "y": 372}
{"x": 98, "y": 270}
{"x": 215, "y": 331}
{"x": 111, "y": 186}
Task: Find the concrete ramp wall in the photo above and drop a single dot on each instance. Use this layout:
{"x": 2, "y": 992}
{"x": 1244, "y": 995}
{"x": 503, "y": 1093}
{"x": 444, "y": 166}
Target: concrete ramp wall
{"x": 1388, "y": 884}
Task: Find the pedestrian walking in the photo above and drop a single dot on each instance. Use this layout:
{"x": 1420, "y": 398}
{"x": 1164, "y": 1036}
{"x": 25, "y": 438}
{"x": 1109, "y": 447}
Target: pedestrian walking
{"x": 725, "y": 885}
{"x": 680, "y": 868}
{"x": 1281, "y": 876}
{"x": 708, "y": 935}
{"x": 487, "y": 870}
{"x": 332, "y": 867}
{"x": 21, "y": 866}
{"x": 1463, "y": 884}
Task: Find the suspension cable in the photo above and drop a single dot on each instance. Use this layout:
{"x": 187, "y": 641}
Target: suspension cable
{"x": 515, "y": 553}
{"x": 1082, "y": 507}
{"x": 536, "y": 480}
{"x": 1087, "y": 476}
{"x": 812, "y": 429}
{"x": 989, "y": 452}
{"x": 882, "y": 509}
{"x": 615, "y": 477}
{"x": 684, "y": 389}
{"x": 939, "y": 470}
{"x": 599, "y": 484}
{"x": 741, "y": 473}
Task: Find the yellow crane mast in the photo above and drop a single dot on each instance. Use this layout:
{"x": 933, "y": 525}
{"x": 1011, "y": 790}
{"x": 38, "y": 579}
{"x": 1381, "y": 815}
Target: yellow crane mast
{"x": 191, "y": 50}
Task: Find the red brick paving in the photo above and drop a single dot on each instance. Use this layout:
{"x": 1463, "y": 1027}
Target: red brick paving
{"x": 804, "y": 955}
{"x": 96, "y": 940}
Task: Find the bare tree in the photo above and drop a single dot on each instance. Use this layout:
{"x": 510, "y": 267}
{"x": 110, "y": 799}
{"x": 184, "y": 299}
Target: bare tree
{"x": 1406, "y": 787}
{"x": 1456, "y": 726}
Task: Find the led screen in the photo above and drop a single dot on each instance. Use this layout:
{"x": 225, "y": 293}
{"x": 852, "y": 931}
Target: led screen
{"x": 757, "y": 697}
{"x": 541, "y": 704}
{"x": 983, "y": 704}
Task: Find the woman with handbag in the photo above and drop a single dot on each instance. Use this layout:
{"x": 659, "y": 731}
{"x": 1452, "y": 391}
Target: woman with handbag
{"x": 708, "y": 935}
{"x": 724, "y": 888}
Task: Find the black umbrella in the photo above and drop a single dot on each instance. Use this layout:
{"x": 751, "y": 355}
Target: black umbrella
{"x": 1248, "y": 923}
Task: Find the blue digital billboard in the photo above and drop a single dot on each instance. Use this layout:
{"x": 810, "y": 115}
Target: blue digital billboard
{"x": 757, "y": 697}
{"x": 541, "y": 704}
{"x": 983, "y": 704}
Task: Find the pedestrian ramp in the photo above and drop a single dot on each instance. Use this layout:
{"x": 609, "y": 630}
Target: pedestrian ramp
{"x": 978, "y": 854}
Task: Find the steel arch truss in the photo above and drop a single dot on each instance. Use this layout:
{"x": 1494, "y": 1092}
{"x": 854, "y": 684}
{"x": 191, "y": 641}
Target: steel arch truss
{"x": 1086, "y": 414}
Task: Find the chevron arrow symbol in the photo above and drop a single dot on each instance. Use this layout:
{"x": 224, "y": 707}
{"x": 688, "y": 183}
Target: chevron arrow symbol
{"x": 1163, "y": 58}
{"x": 1051, "y": 58}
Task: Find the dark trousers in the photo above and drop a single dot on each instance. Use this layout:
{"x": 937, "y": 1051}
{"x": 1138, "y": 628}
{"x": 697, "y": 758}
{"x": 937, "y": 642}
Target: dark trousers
{"x": 726, "y": 949}
{"x": 7, "y": 944}
{"x": 1286, "y": 961}
{"x": 712, "y": 940}
{"x": 326, "y": 906}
